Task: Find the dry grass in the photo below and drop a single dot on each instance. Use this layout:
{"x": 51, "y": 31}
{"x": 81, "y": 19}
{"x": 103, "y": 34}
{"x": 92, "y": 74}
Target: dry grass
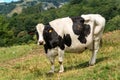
{"x": 29, "y": 63}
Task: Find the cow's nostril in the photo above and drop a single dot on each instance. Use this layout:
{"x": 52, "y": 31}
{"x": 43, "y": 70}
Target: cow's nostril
{"x": 41, "y": 43}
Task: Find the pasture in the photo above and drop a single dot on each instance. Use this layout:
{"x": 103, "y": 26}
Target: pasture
{"x": 29, "y": 62}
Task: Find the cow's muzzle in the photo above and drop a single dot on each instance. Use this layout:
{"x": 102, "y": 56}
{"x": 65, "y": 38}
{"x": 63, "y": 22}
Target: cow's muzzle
{"x": 41, "y": 42}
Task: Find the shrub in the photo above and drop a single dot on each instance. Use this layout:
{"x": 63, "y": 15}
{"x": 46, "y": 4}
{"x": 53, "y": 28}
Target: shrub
{"x": 113, "y": 24}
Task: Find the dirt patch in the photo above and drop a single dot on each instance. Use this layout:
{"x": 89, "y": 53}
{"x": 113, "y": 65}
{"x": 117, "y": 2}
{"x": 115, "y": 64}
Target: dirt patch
{"x": 112, "y": 36}
{"x": 35, "y": 52}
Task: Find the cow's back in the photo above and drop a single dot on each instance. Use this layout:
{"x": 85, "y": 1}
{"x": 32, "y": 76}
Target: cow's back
{"x": 64, "y": 26}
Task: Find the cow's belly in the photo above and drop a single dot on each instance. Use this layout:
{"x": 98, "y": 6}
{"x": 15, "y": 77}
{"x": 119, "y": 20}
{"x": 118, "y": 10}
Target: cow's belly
{"x": 79, "y": 47}
{"x": 74, "y": 50}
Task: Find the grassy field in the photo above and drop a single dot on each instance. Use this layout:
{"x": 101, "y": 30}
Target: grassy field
{"x": 28, "y": 62}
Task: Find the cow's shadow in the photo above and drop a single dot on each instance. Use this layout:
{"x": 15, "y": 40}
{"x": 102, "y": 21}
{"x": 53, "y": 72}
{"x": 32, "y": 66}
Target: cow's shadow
{"x": 78, "y": 66}
{"x": 85, "y": 64}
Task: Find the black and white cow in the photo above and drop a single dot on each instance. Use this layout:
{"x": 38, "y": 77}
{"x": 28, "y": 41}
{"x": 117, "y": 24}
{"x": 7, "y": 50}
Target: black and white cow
{"x": 71, "y": 34}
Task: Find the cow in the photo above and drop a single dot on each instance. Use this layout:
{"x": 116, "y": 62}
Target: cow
{"x": 73, "y": 34}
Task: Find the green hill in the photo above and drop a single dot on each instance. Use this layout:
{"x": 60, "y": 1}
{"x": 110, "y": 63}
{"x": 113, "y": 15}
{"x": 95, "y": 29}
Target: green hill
{"x": 28, "y": 62}
{"x": 20, "y": 28}
{"x": 16, "y": 7}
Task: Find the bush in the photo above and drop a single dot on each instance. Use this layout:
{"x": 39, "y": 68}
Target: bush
{"x": 23, "y": 37}
{"x": 113, "y": 24}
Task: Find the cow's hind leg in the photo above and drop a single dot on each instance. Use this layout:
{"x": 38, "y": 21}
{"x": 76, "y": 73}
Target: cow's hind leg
{"x": 61, "y": 55}
{"x": 95, "y": 49}
{"x": 51, "y": 56}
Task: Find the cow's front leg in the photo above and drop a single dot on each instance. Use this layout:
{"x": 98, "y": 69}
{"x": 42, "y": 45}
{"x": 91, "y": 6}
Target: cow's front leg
{"x": 61, "y": 55}
{"x": 51, "y": 56}
{"x": 96, "y": 43}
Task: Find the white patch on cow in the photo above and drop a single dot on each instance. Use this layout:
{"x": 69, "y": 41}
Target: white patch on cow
{"x": 60, "y": 24}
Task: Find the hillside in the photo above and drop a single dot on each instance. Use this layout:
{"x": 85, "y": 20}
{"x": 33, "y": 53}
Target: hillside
{"x": 28, "y": 62}
{"x": 17, "y": 29}
{"x": 16, "y": 7}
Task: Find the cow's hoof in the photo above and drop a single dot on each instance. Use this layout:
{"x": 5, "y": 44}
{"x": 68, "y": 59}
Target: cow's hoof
{"x": 91, "y": 64}
{"x": 61, "y": 71}
{"x": 50, "y": 72}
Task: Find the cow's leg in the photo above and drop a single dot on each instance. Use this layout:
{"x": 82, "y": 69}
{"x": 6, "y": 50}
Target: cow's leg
{"x": 51, "y": 56}
{"x": 61, "y": 55}
{"x": 95, "y": 49}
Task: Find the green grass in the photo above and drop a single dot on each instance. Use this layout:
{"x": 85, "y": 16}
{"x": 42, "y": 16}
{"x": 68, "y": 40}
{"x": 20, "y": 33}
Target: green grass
{"x": 28, "y": 62}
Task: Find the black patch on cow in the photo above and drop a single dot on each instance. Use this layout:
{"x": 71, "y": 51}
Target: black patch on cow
{"x": 84, "y": 33}
{"x": 78, "y": 19}
{"x": 67, "y": 40}
{"x": 52, "y": 39}
{"x": 80, "y": 29}
{"x": 82, "y": 38}
{"x": 77, "y": 25}
{"x": 61, "y": 43}
{"x": 45, "y": 48}
{"x": 86, "y": 29}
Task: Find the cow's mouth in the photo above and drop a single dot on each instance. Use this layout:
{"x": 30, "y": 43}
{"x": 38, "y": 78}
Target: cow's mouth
{"x": 40, "y": 42}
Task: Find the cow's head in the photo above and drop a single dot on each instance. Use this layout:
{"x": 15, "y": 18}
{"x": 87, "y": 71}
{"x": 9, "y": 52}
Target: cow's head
{"x": 40, "y": 28}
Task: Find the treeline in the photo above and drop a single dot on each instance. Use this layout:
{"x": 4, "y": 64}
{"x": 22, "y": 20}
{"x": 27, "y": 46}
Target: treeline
{"x": 19, "y": 28}
{"x": 6, "y": 8}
